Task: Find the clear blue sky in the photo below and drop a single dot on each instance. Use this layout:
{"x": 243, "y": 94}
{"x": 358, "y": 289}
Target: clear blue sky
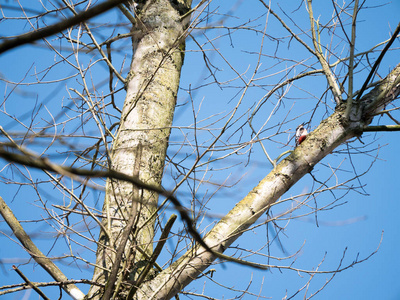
{"x": 355, "y": 226}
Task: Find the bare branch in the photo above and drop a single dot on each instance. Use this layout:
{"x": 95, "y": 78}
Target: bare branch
{"x": 351, "y": 58}
{"x": 36, "y": 254}
{"x": 58, "y": 27}
{"x": 325, "y": 66}
{"x": 382, "y": 128}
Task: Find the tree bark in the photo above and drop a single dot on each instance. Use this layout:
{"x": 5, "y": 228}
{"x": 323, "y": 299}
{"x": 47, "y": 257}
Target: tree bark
{"x": 141, "y": 143}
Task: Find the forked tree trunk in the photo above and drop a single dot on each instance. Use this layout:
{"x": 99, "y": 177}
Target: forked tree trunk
{"x": 141, "y": 143}
{"x": 140, "y": 149}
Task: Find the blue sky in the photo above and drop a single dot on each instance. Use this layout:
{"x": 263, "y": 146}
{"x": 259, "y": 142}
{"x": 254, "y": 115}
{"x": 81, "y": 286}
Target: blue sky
{"x": 355, "y": 226}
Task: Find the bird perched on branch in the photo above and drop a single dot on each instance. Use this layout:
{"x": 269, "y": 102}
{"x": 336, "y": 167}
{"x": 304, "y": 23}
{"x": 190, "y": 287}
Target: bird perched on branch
{"x": 301, "y": 134}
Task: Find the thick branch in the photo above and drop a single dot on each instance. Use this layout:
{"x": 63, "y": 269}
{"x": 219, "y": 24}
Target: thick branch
{"x": 332, "y": 132}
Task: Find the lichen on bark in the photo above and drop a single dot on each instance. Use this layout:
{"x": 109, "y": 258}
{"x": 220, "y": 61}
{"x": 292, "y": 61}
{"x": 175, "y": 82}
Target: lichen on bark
{"x": 146, "y": 119}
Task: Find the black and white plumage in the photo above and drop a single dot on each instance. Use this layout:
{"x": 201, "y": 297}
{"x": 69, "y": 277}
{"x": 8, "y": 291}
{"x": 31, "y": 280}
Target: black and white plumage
{"x": 301, "y": 134}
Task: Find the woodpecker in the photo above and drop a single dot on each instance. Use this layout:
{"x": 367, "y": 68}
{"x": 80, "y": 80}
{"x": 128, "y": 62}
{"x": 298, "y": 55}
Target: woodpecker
{"x": 301, "y": 134}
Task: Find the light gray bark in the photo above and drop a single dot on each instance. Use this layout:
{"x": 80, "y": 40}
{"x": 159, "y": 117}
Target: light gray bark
{"x": 141, "y": 143}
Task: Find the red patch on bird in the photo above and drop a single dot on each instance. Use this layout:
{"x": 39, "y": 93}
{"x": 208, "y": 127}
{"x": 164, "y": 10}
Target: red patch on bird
{"x": 301, "y": 139}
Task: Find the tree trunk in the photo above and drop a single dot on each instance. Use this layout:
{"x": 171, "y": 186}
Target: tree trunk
{"x": 141, "y": 143}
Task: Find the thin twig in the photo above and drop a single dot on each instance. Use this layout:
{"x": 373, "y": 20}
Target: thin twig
{"x": 351, "y": 59}
{"x": 34, "y": 287}
{"x": 324, "y": 64}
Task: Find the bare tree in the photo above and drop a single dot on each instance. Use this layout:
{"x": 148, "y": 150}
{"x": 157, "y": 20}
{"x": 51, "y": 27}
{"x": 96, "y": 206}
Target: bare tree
{"x": 114, "y": 141}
